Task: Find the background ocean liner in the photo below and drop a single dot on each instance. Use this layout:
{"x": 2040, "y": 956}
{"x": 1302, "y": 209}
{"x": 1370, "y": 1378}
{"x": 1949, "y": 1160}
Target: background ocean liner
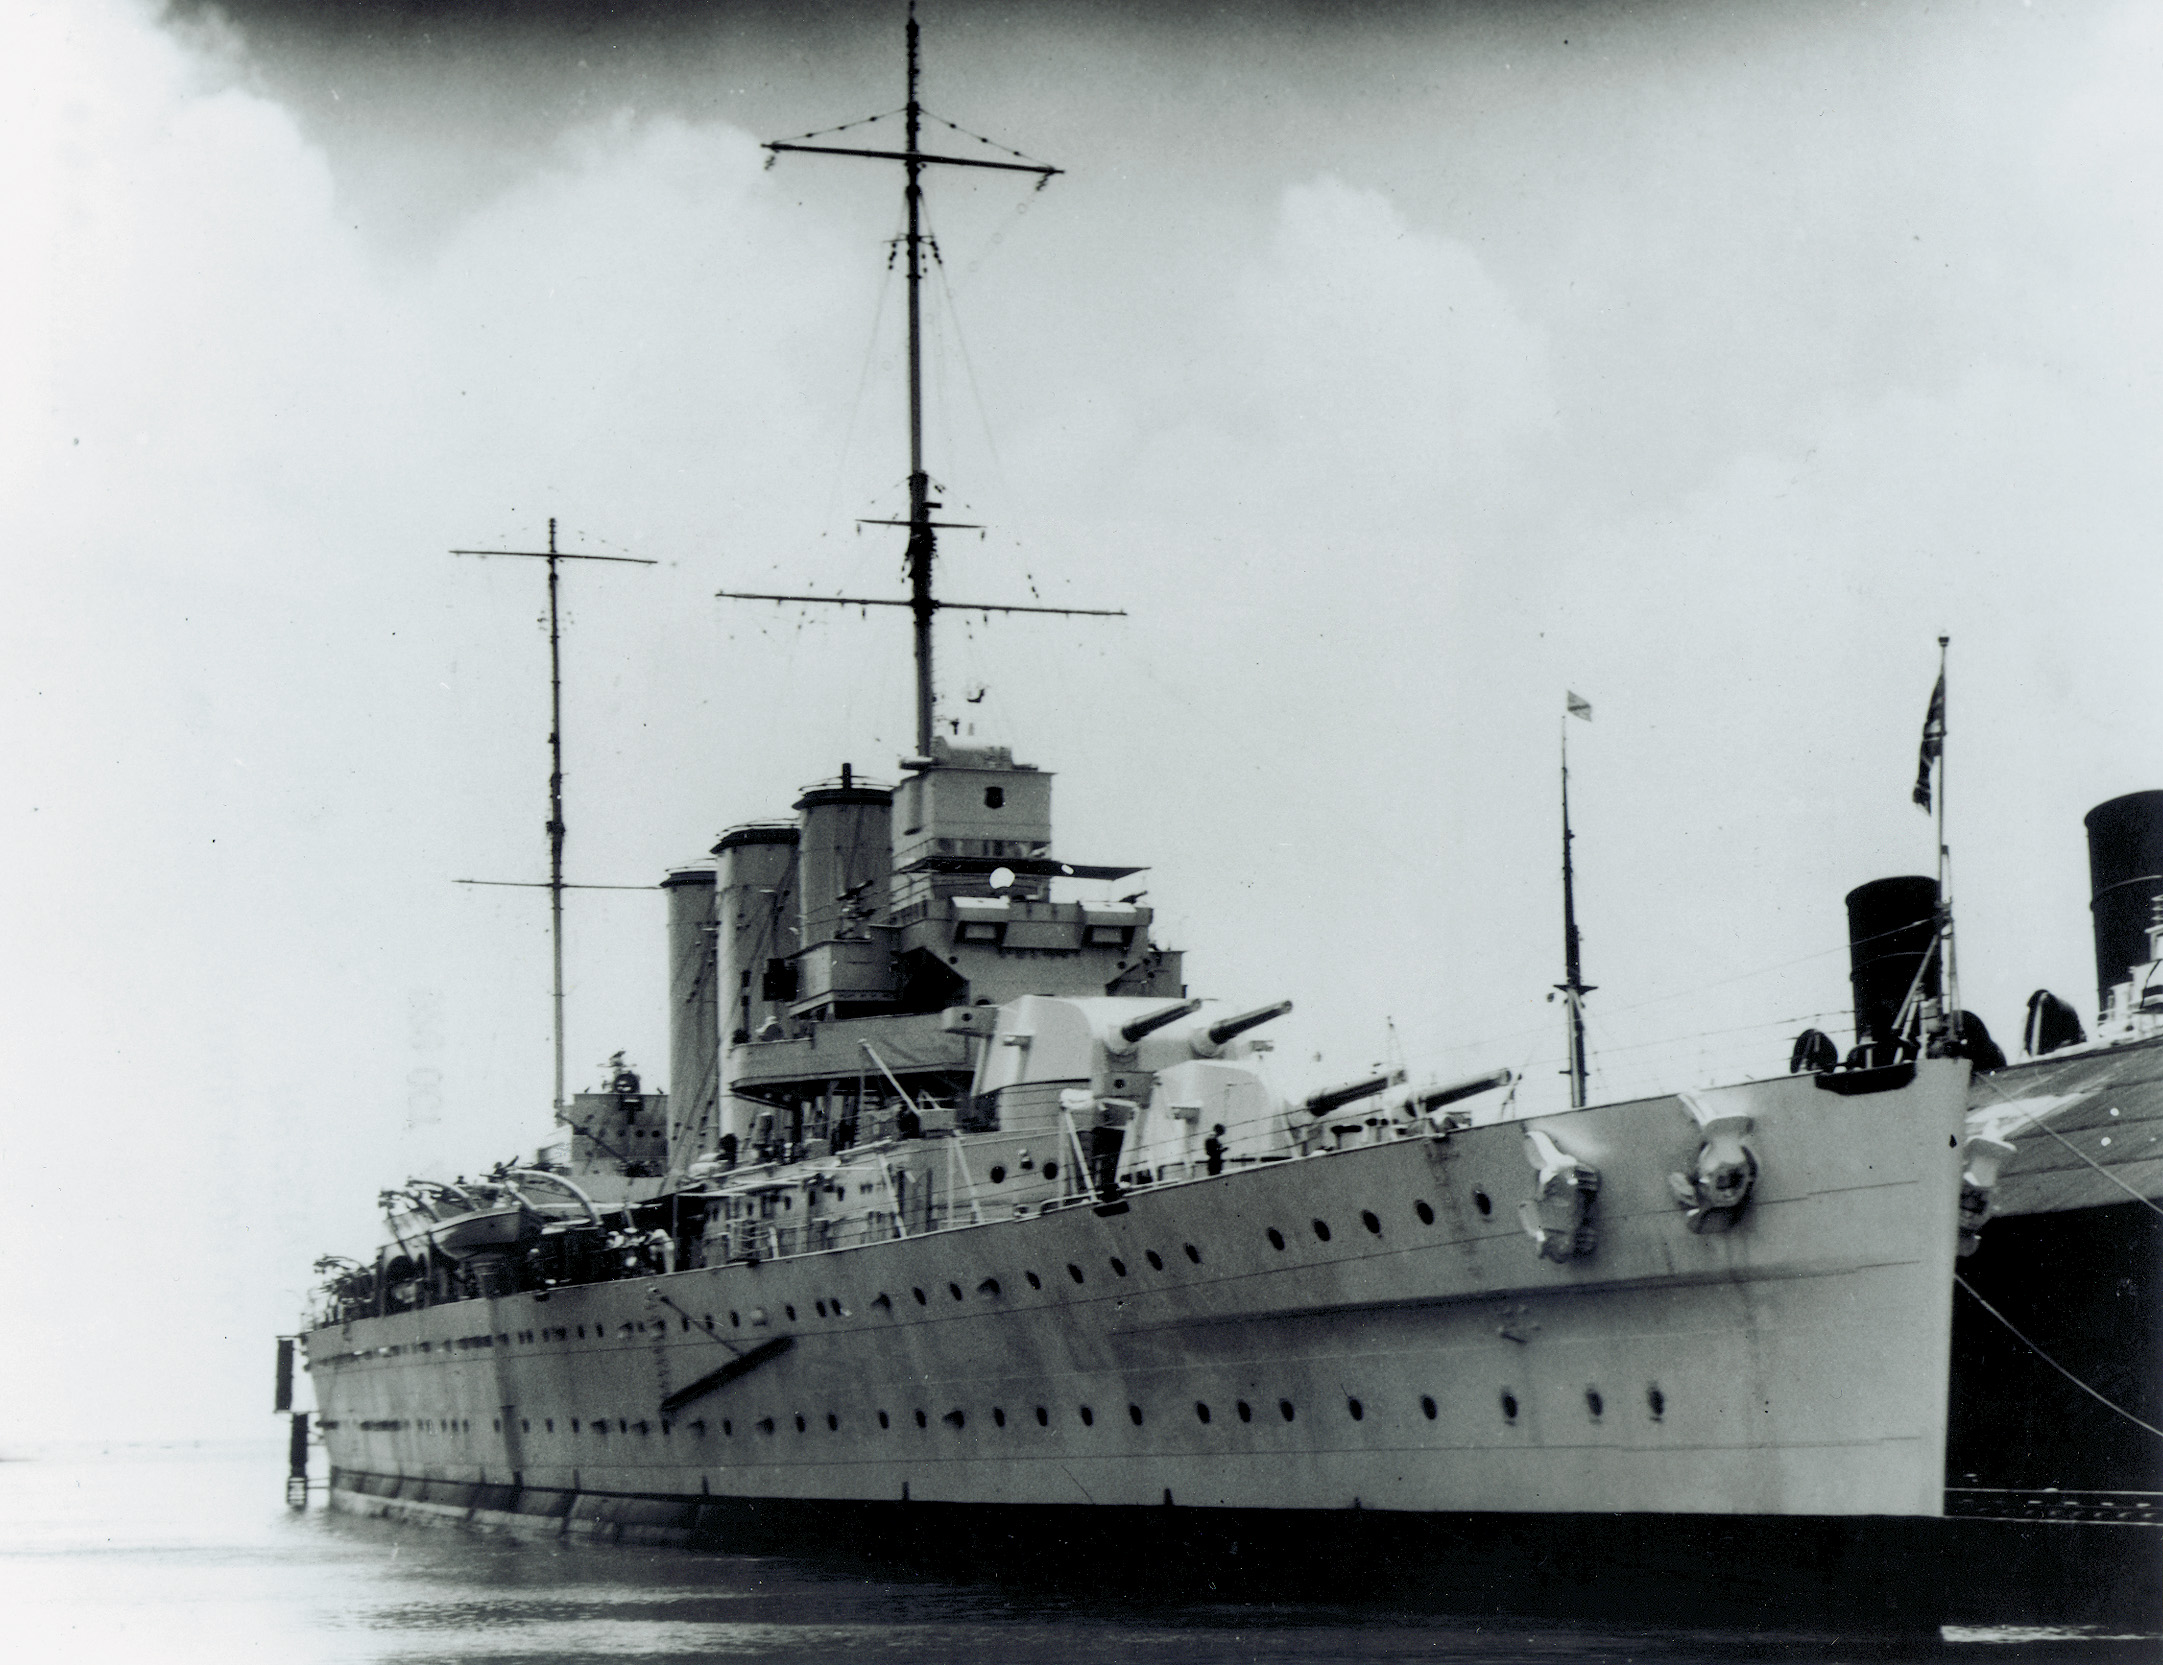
{"x": 981, "y": 1216}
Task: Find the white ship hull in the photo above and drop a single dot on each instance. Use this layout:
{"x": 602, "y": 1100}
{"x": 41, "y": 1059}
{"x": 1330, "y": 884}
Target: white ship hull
{"x": 1794, "y": 1366}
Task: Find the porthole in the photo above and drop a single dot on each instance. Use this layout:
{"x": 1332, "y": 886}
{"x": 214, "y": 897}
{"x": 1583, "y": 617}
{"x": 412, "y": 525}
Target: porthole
{"x": 954, "y": 1289}
{"x": 1201, "y": 1411}
{"x": 766, "y": 1424}
{"x": 998, "y": 1417}
{"x": 791, "y": 1311}
{"x": 998, "y": 1173}
{"x": 1043, "y": 1417}
{"x": 1134, "y": 1414}
{"x": 1035, "y": 1282}
{"x": 1509, "y": 1406}
{"x": 1594, "y": 1403}
{"x": 1089, "y": 1417}
{"x": 550, "y": 1424}
{"x": 735, "y": 1322}
{"x": 1427, "y": 1406}
{"x": 1119, "y": 1266}
{"x": 1369, "y": 1219}
{"x": 574, "y": 1425}
{"x": 1051, "y": 1170}
{"x": 835, "y": 1309}
{"x": 1276, "y": 1238}
{"x": 1193, "y": 1253}
{"x": 1284, "y": 1409}
{"x": 1156, "y": 1261}
{"x": 919, "y": 1294}
{"x": 800, "y": 1422}
{"x": 1482, "y": 1201}
{"x": 525, "y": 1426}
{"x": 990, "y": 1286}
{"x": 1655, "y": 1401}
{"x": 821, "y": 1306}
{"x": 883, "y": 1422}
{"x": 1246, "y": 1411}
{"x": 1321, "y": 1230}
{"x": 1073, "y": 1271}
{"x": 833, "y": 1423}
{"x": 1359, "y": 1411}
{"x": 922, "y": 1421}
{"x": 1426, "y": 1214}
{"x": 728, "y": 1428}
{"x": 953, "y": 1419}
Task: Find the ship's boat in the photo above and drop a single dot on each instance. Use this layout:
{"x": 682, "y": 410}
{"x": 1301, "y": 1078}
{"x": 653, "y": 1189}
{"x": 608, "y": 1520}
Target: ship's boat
{"x": 968, "y": 1228}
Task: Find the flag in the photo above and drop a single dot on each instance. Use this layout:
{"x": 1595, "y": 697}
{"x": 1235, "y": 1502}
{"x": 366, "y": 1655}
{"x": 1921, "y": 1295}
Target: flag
{"x": 1933, "y": 742}
{"x": 1577, "y": 707}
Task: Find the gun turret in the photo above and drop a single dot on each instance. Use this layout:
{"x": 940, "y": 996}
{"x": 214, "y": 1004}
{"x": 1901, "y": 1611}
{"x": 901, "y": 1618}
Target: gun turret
{"x": 1133, "y": 1033}
{"x": 1439, "y": 1096}
{"x": 1207, "y": 1042}
{"x": 1338, "y": 1097}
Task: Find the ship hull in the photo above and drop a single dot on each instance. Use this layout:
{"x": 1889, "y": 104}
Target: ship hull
{"x": 1363, "y": 1337}
{"x": 1843, "y": 1571}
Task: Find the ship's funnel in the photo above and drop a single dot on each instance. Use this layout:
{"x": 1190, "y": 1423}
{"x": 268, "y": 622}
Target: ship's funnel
{"x": 843, "y": 856}
{"x": 2125, "y": 873}
{"x": 694, "y": 1011}
{"x": 1891, "y": 926}
{"x": 1233, "y": 1027}
{"x": 1134, "y": 1032}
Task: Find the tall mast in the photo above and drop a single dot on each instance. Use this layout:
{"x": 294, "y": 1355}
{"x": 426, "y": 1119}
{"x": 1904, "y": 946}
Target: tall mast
{"x": 923, "y": 603}
{"x": 555, "y": 825}
{"x": 555, "y": 803}
{"x": 1573, "y": 988}
{"x": 1951, "y": 964}
{"x": 923, "y": 540}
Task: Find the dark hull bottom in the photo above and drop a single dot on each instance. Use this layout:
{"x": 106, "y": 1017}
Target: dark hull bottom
{"x": 1872, "y": 1572}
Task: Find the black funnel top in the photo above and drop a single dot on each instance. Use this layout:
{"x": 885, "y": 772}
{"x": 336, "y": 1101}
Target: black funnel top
{"x": 2125, "y": 872}
{"x": 1891, "y": 924}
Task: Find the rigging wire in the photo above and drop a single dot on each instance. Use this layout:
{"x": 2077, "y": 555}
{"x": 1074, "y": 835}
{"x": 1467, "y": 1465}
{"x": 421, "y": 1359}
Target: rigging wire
{"x": 968, "y": 365}
{"x": 956, "y": 127}
{"x": 860, "y": 121}
{"x": 2053, "y": 1363}
{"x": 863, "y": 382}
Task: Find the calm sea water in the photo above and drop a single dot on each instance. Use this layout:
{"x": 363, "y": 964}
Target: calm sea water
{"x": 185, "y": 1553}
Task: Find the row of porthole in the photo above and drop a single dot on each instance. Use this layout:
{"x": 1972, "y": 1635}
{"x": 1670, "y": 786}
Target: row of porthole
{"x": 1595, "y": 1405}
{"x": 1373, "y": 1221}
{"x": 832, "y": 1306}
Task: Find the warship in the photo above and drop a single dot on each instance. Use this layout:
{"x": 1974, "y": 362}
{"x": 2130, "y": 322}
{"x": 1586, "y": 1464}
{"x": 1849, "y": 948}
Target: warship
{"x": 966, "y": 1230}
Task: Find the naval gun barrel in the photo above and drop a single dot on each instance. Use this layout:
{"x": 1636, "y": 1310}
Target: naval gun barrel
{"x": 1133, "y": 1032}
{"x": 1219, "y": 1033}
{"x": 1338, "y": 1097}
{"x": 1439, "y": 1096}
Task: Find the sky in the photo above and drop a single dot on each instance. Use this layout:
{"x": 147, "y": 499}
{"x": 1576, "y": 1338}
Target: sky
{"x": 1396, "y": 368}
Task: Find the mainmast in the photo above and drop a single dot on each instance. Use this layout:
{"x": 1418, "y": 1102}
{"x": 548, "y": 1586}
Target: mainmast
{"x": 923, "y": 540}
{"x": 923, "y": 603}
{"x": 555, "y": 824}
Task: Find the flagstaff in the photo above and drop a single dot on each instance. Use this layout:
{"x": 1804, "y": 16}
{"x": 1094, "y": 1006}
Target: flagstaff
{"x": 1573, "y": 988}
